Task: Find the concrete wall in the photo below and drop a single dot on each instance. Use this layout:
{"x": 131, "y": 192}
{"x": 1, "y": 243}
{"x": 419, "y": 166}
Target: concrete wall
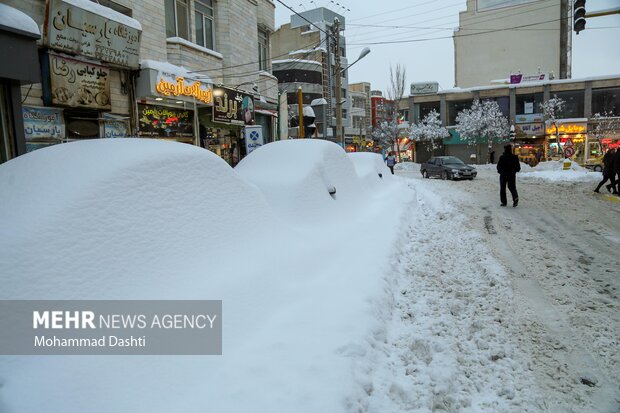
{"x": 481, "y": 58}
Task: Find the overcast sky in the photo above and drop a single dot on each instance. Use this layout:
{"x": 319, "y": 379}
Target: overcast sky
{"x": 595, "y": 51}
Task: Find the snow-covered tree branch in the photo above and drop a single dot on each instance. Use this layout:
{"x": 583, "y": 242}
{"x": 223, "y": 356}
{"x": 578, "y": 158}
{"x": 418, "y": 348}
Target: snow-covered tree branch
{"x": 429, "y": 130}
{"x": 482, "y": 121}
{"x": 386, "y": 133}
{"x": 552, "y": 109}
{"x": 605, "y": 124}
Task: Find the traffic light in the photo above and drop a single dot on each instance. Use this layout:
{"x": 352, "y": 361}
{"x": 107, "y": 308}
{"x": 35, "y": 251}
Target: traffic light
{"x": 579, "y": 15}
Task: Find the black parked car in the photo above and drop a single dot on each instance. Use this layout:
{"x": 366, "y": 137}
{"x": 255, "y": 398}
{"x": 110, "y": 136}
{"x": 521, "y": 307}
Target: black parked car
{"x": 447, "y": 167}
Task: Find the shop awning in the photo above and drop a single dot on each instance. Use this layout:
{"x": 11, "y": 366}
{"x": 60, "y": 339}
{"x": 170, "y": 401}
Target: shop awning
{"x": 18, "y": 45}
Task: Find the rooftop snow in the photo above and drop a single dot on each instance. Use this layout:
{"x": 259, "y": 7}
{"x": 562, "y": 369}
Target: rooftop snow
{"x": 18, "y": 21}
{"x": 106, "y": 12}
{"x": 177, "y": 70}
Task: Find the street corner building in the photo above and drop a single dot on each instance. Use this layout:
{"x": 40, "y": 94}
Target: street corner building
{"x": 190, "y": 71}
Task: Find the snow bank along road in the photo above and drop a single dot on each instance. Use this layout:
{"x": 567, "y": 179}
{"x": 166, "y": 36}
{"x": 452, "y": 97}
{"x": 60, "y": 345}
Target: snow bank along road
{"x": 501, "y": 309}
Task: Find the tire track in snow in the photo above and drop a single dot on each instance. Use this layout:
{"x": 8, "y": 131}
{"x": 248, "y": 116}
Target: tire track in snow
{"x": 447, "y": 342}
{"x": 562, "y": 262}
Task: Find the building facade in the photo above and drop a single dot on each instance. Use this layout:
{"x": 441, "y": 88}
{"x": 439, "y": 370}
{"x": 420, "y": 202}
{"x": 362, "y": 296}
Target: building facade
{"x": 358, "y": 137}
{"x": 498, "y": 38}
{"x": 536, "y": 139}
{"x": 303, "y": 56}
{"x": 147, "y": 69}
{"x": 382, "y": 109}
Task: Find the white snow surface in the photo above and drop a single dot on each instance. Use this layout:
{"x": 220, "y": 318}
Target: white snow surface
{"x": 142, "y": 219}
{"x": 106, "y": 12}
{"x": 17, "y": 19}
{"x": 392, "y": 295}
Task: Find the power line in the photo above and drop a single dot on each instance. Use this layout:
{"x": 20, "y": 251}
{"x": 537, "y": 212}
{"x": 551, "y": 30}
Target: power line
{"x": 462, "y": 35}
{"x": 488, "y": 14}
{"x": 311, "y": 24}
{"x": 249, "y": 63}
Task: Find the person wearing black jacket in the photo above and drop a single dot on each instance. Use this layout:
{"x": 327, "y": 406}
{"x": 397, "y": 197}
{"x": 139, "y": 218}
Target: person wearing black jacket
{"x": 608, "y": 172}
{"x": 507, "y": 167}
{"x": 616, "y": 171}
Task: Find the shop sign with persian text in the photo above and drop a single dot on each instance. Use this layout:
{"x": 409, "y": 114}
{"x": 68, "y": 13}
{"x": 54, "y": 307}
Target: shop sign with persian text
{"x": 530, "y": 129}
{"x": 566, "y": 128}
{"x": 424, "y": 88}
{"x": 81, "y": 84}
{"x": 43, "y": 123}
{"x": 79, "y": 31}
{"x": 171, "y": 85}
{"x": 165, "y": 122}
{"x": 232, "y": 106}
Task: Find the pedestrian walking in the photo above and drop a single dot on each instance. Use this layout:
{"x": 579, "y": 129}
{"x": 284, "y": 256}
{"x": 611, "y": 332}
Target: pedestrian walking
{"x": 391, "y": 161}
{"x": 616, "y": 171}
{"x": 507, "y": 167}
{"x": 608, "y": 172}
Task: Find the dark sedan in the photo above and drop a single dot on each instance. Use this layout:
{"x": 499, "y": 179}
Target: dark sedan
{"x": 447, "y": 167}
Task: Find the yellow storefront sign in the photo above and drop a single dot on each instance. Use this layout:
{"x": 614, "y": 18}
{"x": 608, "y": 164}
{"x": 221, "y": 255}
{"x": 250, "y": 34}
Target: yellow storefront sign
{"x": 567, "y": 128}
{"x": 198, "y": 90}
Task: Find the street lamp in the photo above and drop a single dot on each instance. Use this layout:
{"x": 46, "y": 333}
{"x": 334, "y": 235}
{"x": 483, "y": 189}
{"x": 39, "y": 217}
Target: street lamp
{"x": 254, "y": 87}
{"x": 339, "y": 71}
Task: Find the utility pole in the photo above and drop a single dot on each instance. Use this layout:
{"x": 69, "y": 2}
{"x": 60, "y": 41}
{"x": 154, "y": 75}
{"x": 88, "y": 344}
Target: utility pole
{"x": 300, "y": 104}
{"x": 338, "y": 74}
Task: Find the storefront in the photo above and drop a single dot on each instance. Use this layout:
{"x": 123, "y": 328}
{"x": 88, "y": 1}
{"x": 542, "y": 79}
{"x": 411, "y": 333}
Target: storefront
{"x": 85, "y": 75}
{"x": 19, "y": 66}
{"x": 529, "y": 142}
{"x": 169, "y": 100}
{"x": 230, "y": 128}
{"x": 574, "y": 142}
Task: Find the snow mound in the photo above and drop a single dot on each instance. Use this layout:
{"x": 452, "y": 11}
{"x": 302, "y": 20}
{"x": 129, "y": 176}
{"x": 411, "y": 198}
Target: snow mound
{"x": 407, "y": 166}
{"x": 371, "y": 170}
{"x": 554, "y": 171}
{"x": 88, "y": 208}
{"x": 558, "y": 166}
{"x": 297, "y": 175}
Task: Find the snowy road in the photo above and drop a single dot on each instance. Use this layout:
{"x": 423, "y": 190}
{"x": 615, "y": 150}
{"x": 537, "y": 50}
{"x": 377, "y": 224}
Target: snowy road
{"x": 507, "y": 309}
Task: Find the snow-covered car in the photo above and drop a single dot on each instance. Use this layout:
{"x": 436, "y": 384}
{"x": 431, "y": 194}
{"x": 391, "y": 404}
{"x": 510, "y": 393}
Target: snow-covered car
{"x": 447, "y": 167}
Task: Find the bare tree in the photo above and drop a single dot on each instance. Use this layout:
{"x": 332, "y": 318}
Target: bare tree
{"x": 395, "y": 92}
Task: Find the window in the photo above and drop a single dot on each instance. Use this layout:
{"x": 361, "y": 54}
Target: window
{"x": 574, "y": 103}
{"x": 426, "y": 108}
{"x": 529, "y": 104}
{"x": 454, "y": 108}
{"x": 204, "y": 23}
{"x": 263, "y": 49}
{"x": 606, "y": 101}
{"x": 177, "y": 21}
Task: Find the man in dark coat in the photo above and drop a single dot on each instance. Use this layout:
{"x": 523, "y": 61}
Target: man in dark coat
{"x": 507, "y": 167}
{"x": 608, "y": 172}
{"x": 616, "y": 170}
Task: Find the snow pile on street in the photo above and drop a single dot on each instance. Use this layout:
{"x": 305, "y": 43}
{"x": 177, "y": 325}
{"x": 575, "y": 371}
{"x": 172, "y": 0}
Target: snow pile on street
{"x": 407, "y": 166}
{"x": 447, "y": 341}
{"x": 371, "y": 170}
{"x": 554, "y": 171}
{"x": 559, "y": 166}
{"x": 142, "y": 219}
